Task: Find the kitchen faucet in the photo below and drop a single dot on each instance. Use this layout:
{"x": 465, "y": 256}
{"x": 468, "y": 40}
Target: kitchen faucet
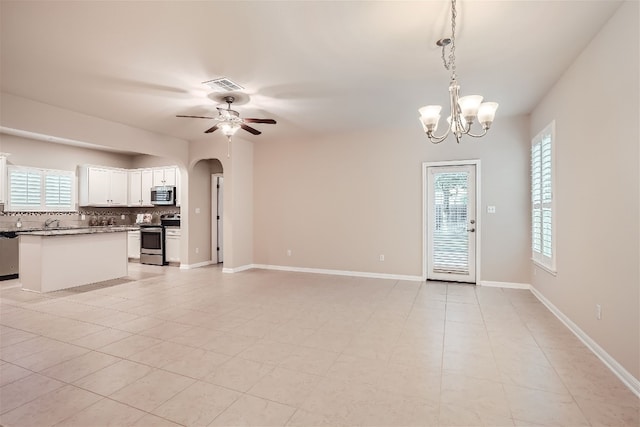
{"x": 50, "y": 221}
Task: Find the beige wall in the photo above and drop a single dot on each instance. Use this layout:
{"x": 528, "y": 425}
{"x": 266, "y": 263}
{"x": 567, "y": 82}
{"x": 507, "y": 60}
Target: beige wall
{"x": 341, "y": 201}
{"x": 239, "y": 210}
{"x": 595, "y": 105}
{"x": 504, "y": 183}
{"x": 41, "y": 154}
{"x": 23, "y": 114}
{"x": 200, "y": 211}
{"x": 148, "y": 161}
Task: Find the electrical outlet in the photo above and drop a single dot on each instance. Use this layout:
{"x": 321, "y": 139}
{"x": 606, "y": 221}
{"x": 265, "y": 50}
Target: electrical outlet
{"x": 381, "y": 257}
{"x": 491, "y": 209}
{"x": 122, "y": 216}
{"x": 83, "y": 217}
{"x": 197, "y": 210}
{"x": 288, "y": 252}
{"x": 598, "y": 311}
{"x": 197, "y": 250}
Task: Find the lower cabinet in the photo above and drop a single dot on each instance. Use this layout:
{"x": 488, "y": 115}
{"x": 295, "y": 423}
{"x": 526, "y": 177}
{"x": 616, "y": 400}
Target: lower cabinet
{"x": 133, "y": 246}
{"x": 172, "y": 240}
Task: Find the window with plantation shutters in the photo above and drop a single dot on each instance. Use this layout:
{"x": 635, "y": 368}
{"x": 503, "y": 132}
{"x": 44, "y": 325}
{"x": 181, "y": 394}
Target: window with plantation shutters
{"x": 58, "y": 190}
{"x": 40, "y": 190}
{"x": 25, "y": 189}
{"x": 542, "y": 204}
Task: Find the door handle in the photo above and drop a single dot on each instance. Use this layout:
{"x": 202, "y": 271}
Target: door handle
{"x": 471, "y": 230}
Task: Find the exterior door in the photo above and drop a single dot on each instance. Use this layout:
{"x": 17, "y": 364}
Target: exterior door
{"x": 451, "y": 223}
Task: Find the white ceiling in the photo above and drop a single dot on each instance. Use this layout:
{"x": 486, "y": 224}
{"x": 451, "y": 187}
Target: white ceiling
{"x": 314, "y": 66}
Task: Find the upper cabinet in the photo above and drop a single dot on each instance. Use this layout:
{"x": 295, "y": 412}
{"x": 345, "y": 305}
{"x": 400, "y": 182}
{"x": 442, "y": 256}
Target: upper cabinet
{"x": 168, "y": 175}
{"x": 140, "y": 183}
{"x": 164, "y": 176}
{"x": 101, "y": 186}
{"x": 106, "y": 186}
{"x": 3, "y": 178}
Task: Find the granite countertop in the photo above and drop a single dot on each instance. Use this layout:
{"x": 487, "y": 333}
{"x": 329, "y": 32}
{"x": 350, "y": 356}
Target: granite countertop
{"x": 65, "y": 231}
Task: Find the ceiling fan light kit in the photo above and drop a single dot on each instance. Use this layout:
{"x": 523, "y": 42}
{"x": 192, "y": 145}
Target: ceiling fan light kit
{"x": 229, "y": 122}
{"x": 464, "y": 110}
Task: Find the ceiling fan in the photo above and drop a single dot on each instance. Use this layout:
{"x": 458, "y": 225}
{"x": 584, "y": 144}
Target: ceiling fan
{"x": 229, "y": 121}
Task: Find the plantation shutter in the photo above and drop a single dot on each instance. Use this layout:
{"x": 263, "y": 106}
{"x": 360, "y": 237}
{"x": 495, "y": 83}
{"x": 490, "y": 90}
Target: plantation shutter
{"x": 33, "y": 189}
{"x": 547, "y": 196}
{"x": 25, "y": 189}
{"x": 536, "y": 200}
{"x": 542, "y": 207}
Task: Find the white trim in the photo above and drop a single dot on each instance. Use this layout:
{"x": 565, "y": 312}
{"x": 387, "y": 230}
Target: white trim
{"x": 478, "y": 179}
{"x": 196, "y": 265}
{"x": 506, "y": 285}
{"x": 544, "y": 267}
{"x": 323, "y": 271}
{"x": 238, "y": 269}
{"x": 615, "y": 367}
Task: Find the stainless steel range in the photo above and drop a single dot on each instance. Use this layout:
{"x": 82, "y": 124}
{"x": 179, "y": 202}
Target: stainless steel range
{"x": 152, "y": 249}
{"x": 152, "y": 240}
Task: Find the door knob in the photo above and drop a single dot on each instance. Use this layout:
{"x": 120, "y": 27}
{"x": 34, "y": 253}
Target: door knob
{"x": 471, "y": 230}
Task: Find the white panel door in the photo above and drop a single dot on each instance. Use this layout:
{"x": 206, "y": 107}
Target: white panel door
{"x": 216, "y": 219}
{"x": 451, "y": 223}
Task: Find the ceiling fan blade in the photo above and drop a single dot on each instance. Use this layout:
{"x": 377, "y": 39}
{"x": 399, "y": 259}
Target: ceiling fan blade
{"x": 196, "y": 117}
{"x": 212, "y": 129}
{"x": 250, "y": 129}
{"x": 268, "y": 121}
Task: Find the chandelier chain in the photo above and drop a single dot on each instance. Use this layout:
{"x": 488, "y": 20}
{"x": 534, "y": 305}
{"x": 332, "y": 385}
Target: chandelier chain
{"x": 450, "y": 65}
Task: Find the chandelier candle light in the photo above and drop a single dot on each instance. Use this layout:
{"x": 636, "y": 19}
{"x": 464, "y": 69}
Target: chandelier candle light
{"x": 464, "y": 110}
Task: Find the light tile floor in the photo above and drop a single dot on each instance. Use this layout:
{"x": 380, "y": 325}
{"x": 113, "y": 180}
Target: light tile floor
{"x": 167, "y": 347}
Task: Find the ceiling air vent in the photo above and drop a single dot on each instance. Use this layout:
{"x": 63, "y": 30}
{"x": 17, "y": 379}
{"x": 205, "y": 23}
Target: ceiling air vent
{"x": 223, "y": 84}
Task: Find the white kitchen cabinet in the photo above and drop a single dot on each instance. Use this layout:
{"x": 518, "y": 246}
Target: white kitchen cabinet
{"x": 3, "y": 178}
{"x": 164, "y": 176}
{"x": 140, "y": 183}
{"x": 177, "y": 186}
{"x": 172, "y": 241}
{"x": 133, "y": 244}
{"x": 100, "y": 186}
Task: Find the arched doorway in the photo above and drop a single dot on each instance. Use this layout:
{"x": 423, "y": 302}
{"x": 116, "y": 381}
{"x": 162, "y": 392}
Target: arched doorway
{"x": 204, "y": 212}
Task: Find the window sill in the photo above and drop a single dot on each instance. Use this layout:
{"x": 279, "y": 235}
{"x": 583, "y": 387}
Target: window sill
{"x": 545, "y": 268}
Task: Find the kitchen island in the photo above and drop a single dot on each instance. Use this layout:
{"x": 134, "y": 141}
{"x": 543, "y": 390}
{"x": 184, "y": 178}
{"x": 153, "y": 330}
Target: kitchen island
{"x": 51, "y": 260}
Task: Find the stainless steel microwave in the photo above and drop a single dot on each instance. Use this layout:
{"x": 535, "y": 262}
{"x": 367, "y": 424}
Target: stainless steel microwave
{"x": 163, "y": 195}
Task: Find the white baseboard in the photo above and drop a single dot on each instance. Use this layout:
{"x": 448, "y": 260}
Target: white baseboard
{"x": 624, "y": 375}
{"x": 325, "y": 271}
{"x": 238, "y": 269}
{"x": 196, "y": 265}
{"x": 508, "y": 285}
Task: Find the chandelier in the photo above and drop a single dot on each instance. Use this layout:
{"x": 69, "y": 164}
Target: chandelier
{"x": 464, "y": 110}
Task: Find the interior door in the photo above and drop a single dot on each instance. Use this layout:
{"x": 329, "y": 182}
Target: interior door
{"x": 216, "y": 219}
{"x": 451, "y": 223}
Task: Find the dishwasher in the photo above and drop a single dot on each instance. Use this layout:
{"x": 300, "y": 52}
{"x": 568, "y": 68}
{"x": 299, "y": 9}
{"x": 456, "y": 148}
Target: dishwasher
{"x": 8, "y": 255}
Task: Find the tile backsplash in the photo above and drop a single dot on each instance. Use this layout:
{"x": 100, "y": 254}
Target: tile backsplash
{"x": 81, "y": 218}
